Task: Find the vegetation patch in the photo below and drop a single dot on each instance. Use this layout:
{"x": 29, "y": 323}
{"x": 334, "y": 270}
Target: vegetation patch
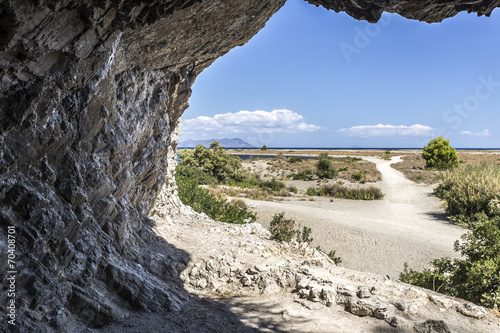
{"x": 295, "y": 160}
{"x": 303, "y": 175}
{"x": 325, "y": 168}
{"x": 283, "y": 230}
{"x": 472, "y": 194}
{"x": 471, "y": 189}
{"x": 213, "y": 161}
{"x": 344, "y": 192}
{"x": 216, "y": 207}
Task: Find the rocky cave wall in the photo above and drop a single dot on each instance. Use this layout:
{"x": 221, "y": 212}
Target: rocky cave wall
{"x": 90, "y": 94}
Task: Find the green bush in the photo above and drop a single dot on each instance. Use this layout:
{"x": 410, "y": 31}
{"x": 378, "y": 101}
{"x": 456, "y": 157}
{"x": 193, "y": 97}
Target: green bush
{"x": 305, "y": 235}
{"x": 325, "y": 168}
{"x": 472, "y": 194}
{"x": 471, "y": 189}
{"x": 476, "y": 277}
{"x": 295, "y": 160}
{"x": 331, "y": 255}
{"x": 189, "y": 171}
{"x": 440, "y": 155}
{"x": 344, "y": 168}
{"x": 303, "y": 175}
{"x": 213, "y": 161}
{"x": 357, "y": 176}
{"x": 273, "y": 185}
{"x": 264, "y": 148}
{"x": 339, "y": 191}
{"x": 216, "y": 207}
{"x": 282, "y": 229}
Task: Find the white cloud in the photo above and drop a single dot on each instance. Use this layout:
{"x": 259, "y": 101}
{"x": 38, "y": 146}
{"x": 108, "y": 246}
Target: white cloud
{"x": 381, "y": 130}
{"x": 486, "y": 132}
{"x": 248, "y": 122}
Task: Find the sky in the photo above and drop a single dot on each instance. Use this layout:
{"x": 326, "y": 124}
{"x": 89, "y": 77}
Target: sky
{"x": 316, "y": 78}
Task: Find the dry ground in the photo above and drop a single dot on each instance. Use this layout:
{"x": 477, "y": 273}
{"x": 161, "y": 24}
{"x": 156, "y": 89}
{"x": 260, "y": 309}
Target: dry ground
{"x": 408, "y": 225}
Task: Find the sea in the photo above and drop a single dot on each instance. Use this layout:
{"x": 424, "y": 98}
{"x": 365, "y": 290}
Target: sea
{"x": 288, "y": 151}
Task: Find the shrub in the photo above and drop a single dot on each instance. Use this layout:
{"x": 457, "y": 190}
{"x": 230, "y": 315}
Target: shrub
{"x": 264, "y": 147}
{"x": 344, "y": 168}
{"x": 325, "y": 168}
{"x": 303, "y": 175}
{"x": 357, "y": 176}
{"x": 470, "y": 189}
{"x": 238, "y": 203}
{"x": 189, "y": 171}
{"x": 295, "y": 160}
{"x": 339, "y": 191}
{"x": 293, "y": 189}
{"x": 331, "y": 255}
{"x": 472, "y": 194}
{"x": 213, "y": 161}
{"x": 282, "y": 229}
{"x": 274, "y": 185}
{"x": 476, "y": 277}
{"x": 304, "y": 236}
{"x": 214, "y": 206}
{"x": 440, "y": 155}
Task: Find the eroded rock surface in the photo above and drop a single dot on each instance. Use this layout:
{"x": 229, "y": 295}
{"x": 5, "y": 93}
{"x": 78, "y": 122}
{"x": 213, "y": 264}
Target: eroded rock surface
{"x": 90, "y": 93}
{"x": 291, "y": 287}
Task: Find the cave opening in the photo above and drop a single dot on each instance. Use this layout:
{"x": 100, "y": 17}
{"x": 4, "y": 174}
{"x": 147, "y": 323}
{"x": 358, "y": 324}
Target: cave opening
{"x": 89, "y": 92}
{"x": 323, "y": 79}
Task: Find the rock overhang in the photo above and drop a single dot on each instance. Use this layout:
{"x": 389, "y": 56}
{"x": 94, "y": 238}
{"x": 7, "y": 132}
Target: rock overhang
{"x": 90, "y": 94}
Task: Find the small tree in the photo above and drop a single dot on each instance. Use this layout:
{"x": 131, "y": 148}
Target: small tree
{"x": 213, "y": 161}
{"x": 325, "y": 168}
{"x": 440, "y": 155}
{"x": 264, "y": 147}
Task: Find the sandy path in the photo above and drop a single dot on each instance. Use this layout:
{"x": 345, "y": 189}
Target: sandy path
{"x": 408, "y": 225}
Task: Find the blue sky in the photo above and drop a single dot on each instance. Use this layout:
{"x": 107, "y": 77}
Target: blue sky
{"x": 316, "y": 78}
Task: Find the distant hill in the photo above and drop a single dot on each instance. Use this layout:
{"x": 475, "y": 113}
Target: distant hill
{"x": 226, "y": 143}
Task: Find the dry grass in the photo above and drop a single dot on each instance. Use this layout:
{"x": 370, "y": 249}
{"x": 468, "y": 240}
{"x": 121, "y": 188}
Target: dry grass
{"x": 473, "y": 188}
{"x": 413, "y": 165}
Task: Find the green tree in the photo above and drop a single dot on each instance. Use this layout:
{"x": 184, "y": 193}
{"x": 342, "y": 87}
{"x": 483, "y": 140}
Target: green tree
{"x": 213, "y": 161}
{"x": 264, "y": 147}
{"x": 325, "y": 168}
{"x": 440, "y": 155}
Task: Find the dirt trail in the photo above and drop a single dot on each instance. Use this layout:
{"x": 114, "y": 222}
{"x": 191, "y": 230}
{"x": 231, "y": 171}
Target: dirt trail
{"x": 408, "y": 225}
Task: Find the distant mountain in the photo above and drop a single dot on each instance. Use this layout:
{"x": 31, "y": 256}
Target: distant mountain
{"x": 226, "y": 143}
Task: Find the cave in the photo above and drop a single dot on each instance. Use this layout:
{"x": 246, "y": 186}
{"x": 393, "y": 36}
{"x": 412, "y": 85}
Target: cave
{"x": 91, "y": 93}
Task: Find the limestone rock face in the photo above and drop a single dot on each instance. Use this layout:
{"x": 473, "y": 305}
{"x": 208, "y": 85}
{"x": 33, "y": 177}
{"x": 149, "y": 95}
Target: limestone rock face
{"x": 90, "y": 93}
